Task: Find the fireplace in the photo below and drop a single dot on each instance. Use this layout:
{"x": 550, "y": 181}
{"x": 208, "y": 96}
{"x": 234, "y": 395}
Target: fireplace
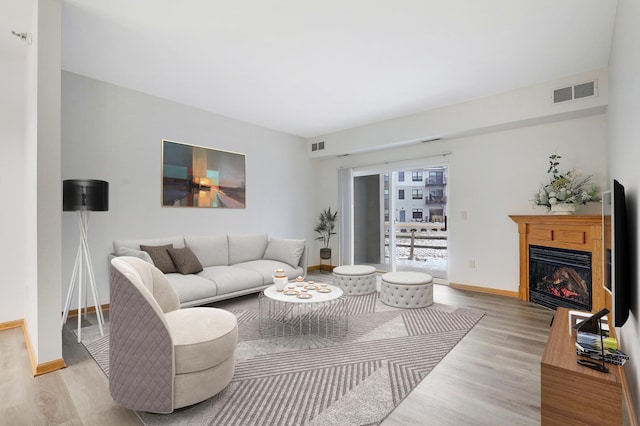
{"x": 560, "y": 277}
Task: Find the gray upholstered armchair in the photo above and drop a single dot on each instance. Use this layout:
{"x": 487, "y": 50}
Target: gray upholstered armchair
{"x": 163, "y": 357}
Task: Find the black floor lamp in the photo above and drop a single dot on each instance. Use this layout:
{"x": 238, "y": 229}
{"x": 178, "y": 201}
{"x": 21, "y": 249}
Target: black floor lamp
{"x": 82, "y": 197}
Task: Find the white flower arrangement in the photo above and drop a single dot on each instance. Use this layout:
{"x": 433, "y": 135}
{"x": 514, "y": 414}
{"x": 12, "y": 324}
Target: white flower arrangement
{"x": 568, "y": 188}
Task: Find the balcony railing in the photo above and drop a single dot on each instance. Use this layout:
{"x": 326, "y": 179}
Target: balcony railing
{"x": 416, "y": 236}
{"x": 435, "y": 200}
{"x": 435, "y": 182}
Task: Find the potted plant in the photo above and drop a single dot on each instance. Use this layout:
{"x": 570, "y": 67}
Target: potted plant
{"x": 565, "y": 191}
{"x": 326, "y": 225}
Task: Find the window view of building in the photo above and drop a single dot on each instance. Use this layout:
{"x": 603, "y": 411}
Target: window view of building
{"x": 436, "y": 177}
{"x": 428, "y": 202}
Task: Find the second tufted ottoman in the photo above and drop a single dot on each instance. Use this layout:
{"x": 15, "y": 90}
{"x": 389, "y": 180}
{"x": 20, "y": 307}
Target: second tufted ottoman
{"x": 355, "y": 279}
{"x": 407, "y": 289}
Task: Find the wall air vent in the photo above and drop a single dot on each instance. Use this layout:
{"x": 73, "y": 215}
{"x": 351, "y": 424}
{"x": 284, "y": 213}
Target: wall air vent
{"x": 584, "y": 90}
{"x": 317, "y": 146}
{"x": 579, "y": 91}
{"x": 564, "y": 94}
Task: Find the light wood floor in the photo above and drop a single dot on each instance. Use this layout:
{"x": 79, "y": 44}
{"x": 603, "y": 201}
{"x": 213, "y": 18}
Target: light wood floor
{"x": 492, "y": 377}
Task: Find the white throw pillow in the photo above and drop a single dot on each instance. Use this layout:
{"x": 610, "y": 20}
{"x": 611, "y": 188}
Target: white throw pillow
{"x": 287, "y": 251}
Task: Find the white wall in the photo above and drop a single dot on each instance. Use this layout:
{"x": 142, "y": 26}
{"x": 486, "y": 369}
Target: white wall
{"x": 29, "y": 124}
{"x": 49, "y": 187}
{"x": 12, "y": 224}
{"x": 492, "y": 176}
{"x": 41, "y": 183}
{"x": 114, "y": 134}
{"x": 624, "y": 154}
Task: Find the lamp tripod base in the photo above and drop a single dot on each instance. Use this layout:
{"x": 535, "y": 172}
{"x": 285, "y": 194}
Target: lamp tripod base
{"x": 83, "y": 259}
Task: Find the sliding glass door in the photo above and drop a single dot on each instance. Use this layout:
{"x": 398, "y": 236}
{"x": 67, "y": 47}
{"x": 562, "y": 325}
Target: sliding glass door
{"x": 400, "y": 219}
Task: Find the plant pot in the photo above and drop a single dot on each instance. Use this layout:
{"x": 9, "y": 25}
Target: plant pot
{"x": 563, "y": 208}
{"x": 325, "y": 253}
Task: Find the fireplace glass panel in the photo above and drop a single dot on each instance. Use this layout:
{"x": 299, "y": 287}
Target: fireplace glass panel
{"x": 560, "y": 277}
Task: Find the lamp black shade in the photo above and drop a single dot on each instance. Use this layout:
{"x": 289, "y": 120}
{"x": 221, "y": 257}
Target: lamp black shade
{"x": 85, "y": 194}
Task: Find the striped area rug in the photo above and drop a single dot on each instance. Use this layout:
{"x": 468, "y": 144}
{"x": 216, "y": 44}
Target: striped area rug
{"x": 358, "y": 380}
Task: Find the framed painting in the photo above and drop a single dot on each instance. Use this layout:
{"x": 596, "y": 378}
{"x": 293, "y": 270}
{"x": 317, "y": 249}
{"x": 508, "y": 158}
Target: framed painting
{"x": 196, "y": 176}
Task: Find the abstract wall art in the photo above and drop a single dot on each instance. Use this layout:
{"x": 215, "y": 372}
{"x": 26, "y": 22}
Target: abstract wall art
{"x": 196, "y": 176}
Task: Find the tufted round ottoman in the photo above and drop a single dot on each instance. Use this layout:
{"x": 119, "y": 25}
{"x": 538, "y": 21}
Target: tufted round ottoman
{"x": 355, "y": 279}
{"x": 407, "y": 289}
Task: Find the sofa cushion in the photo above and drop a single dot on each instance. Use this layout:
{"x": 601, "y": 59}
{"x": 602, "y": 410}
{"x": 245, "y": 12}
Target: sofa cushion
{"x": 229, "y": 278}
{"x": 287, "y": 251}
{"x": 186, "y": 262}
{"x": 160, "y": 257}
{"x": 192, "y": 287}
{"x": 118, "y": 245}
{"x": 210, "y": 250}
{"x": 243, "y": 248}
{"x": 202, "y": 347}
{"x": 266, "y": 268}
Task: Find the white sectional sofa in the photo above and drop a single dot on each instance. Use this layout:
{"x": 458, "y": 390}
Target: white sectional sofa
{"x": 231, "y": 265}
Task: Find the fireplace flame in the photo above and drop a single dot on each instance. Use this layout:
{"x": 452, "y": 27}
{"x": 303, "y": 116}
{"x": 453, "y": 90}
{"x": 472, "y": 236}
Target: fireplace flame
{"x": 565, "y": 282}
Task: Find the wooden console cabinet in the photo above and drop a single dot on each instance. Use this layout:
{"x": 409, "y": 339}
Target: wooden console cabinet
{"x": 572, "y": 394}
{"x": 574, "y": 232}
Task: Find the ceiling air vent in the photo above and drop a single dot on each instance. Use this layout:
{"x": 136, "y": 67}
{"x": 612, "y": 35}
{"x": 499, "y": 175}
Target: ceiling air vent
{"x": 579, "y": 91}
{"x": 317, "y": 146}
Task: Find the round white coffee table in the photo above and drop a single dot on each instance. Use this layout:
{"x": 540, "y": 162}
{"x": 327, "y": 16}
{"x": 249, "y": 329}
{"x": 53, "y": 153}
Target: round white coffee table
{"x": 303, "y": 322}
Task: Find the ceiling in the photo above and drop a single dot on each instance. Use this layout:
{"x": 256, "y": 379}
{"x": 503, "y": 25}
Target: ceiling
{"x": 315, "y": 67}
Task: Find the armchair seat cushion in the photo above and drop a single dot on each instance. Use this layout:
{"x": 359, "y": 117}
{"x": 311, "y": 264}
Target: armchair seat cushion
{"x": 206, "y": 345}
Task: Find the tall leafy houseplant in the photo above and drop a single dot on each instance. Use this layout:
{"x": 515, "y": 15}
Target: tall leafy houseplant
{"x": 325, "y": 229}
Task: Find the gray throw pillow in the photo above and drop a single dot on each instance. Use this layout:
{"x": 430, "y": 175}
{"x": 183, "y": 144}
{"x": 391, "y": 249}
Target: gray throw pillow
{"x": 186, "y": 262}
{"x": 160, "y": 257}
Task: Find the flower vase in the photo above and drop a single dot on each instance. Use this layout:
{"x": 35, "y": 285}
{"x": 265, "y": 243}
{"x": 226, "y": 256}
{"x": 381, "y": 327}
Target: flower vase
{"x": 563, "y": 208}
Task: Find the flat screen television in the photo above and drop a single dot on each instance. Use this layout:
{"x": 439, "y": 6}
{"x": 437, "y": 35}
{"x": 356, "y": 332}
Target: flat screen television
{"x": 615, "y": 252}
